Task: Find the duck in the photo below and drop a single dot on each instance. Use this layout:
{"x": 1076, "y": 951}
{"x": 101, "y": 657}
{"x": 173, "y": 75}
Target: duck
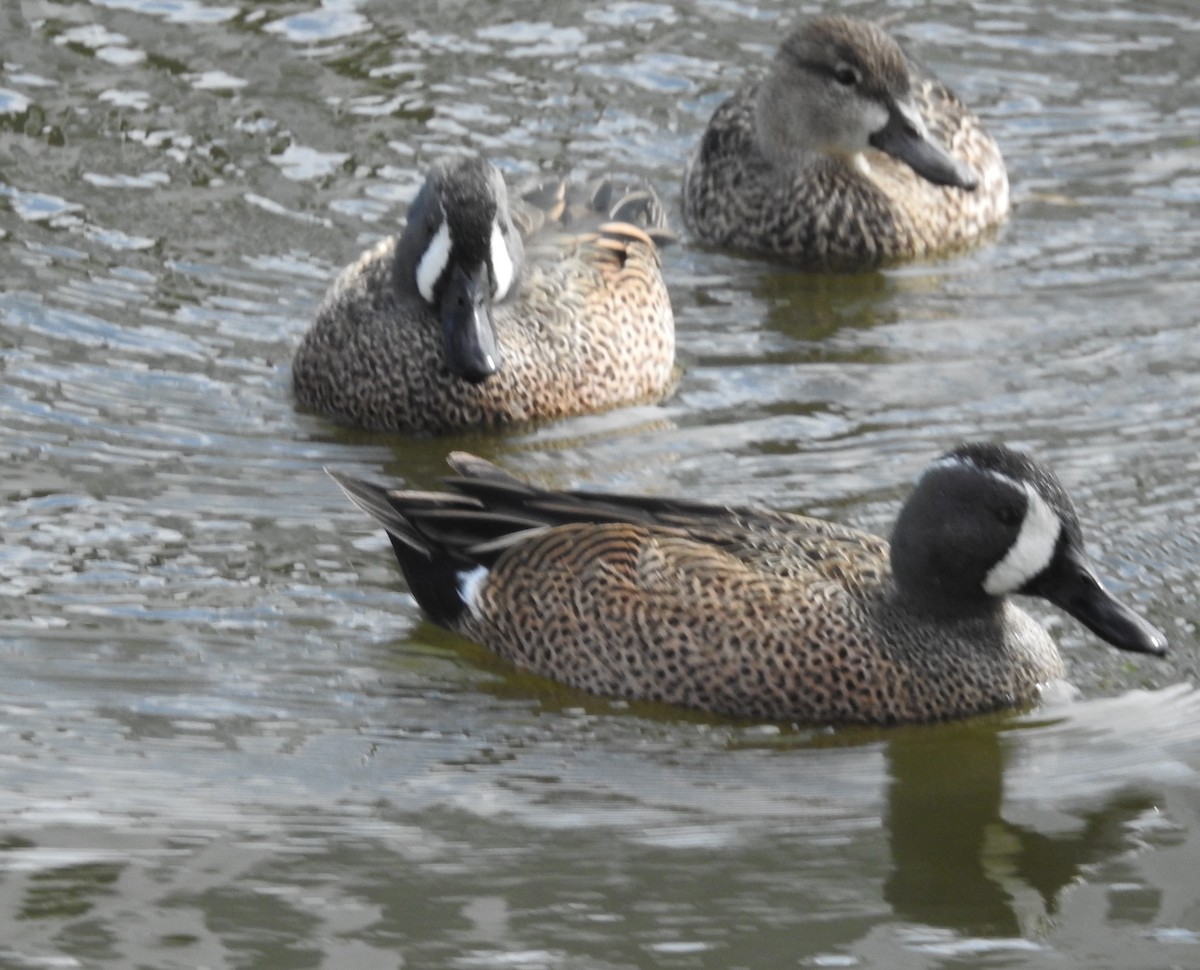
{"x": 754, "y": 613}
{"x": 845, "y": 156}
{"x": 482, "y": 313}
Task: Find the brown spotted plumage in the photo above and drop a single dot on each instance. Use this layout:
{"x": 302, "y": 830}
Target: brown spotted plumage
{"x": 823, "y": 162}
{"x": 757, "y": 613}
{"x": 586, "y": 326}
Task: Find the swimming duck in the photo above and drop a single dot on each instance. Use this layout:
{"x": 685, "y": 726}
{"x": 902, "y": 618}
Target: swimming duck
{"x": 757, "y": 613}
{"x": 845, "y": 156}
{"x": 449, "y": 325}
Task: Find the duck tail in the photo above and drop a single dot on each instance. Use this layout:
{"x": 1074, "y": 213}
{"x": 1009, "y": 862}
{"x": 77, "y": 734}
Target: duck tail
{"x": 446, "y": 542}
{"x": 434, "y": 570}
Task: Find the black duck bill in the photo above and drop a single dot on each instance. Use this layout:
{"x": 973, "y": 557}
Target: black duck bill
{"x": 904, "y": 138}
{"x": 1070, "y": 583}
{"x": 468, "y": 330}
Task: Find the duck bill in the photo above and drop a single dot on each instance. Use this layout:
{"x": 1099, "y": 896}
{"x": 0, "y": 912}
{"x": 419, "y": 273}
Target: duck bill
{"x": 904, "y": 137}
{"x": 468, "y": 330}
{"x": 1071, "y": 584}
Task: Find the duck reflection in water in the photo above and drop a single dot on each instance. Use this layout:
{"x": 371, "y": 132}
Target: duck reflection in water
{"x": 956, "y": 862}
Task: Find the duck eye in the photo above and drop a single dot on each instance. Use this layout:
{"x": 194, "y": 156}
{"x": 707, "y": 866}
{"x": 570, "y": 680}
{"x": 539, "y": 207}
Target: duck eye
{"x": 1009, "y": 515}
{"x": 845, "y": 75}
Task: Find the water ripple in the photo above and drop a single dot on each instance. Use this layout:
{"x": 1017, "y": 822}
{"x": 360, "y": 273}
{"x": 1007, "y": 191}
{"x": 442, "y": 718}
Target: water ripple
{"x": 228, "y": 733}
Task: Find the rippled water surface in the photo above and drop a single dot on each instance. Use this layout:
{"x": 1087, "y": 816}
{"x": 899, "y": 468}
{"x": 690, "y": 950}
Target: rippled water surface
{"x": 229, "y": 739}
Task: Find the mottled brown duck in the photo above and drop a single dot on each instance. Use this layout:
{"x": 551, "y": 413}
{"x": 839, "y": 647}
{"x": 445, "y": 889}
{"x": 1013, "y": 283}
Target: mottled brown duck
{"x": 845, "y": 156}
{"x": 481, "y": 313}
{"x": 757, "y": 613}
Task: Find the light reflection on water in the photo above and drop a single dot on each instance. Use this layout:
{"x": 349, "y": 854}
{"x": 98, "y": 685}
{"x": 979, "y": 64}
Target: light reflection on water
{"x": 228, "y": 737}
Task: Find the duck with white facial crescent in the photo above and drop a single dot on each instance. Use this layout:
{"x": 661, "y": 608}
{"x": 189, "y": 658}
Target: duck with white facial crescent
{"x": 485, "y": 312}
{"x": 763, "y": 614}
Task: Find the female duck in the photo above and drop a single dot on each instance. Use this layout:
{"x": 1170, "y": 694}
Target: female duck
{"x": 844, "y": 157}
{"x": 757, "y": 613}
{"x": 448, "y": 326}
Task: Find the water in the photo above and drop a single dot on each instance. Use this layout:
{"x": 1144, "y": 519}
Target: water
{"x": 229, "y": 739}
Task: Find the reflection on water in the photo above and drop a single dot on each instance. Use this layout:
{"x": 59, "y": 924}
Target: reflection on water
{"x": 958, "y": 864}
{"x": 228, "y": 738}
{"x": 473, "y": 835}
{"x": 991, "y": 835}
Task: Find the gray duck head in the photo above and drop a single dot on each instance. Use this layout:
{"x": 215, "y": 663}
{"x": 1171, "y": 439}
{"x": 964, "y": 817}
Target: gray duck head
{"x": 840, "y": 85}
{"x": 460, "y": 253}
{"x": 984, "y": 521}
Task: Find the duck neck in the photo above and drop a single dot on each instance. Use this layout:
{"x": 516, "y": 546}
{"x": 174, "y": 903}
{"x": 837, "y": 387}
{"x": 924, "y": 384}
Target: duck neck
{"x": 929, "y": 602}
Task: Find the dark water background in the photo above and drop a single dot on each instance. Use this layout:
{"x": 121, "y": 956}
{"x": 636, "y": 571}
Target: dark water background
{"x": 228, "y": 738}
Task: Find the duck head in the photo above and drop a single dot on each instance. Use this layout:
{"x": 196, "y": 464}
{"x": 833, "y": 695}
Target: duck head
{"x": 461, "y": 253}
{"x": 840, "y": 85}
{"x": 985, "y": 521}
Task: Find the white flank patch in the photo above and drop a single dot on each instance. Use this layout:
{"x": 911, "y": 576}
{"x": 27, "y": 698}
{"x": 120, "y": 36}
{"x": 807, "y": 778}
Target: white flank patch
{"x": 433, "y": 263}
{"x": 469, "y": 582}
{"x": 1032, "y": 551}
{"x": 502, "y": 265}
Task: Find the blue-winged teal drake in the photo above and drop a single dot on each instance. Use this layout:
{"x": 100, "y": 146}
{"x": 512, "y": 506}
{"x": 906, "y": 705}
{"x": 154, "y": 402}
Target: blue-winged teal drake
{"x": 763, "y": 614}
{"x": 844, "y": 157}
{"x": 450, "y": 326}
